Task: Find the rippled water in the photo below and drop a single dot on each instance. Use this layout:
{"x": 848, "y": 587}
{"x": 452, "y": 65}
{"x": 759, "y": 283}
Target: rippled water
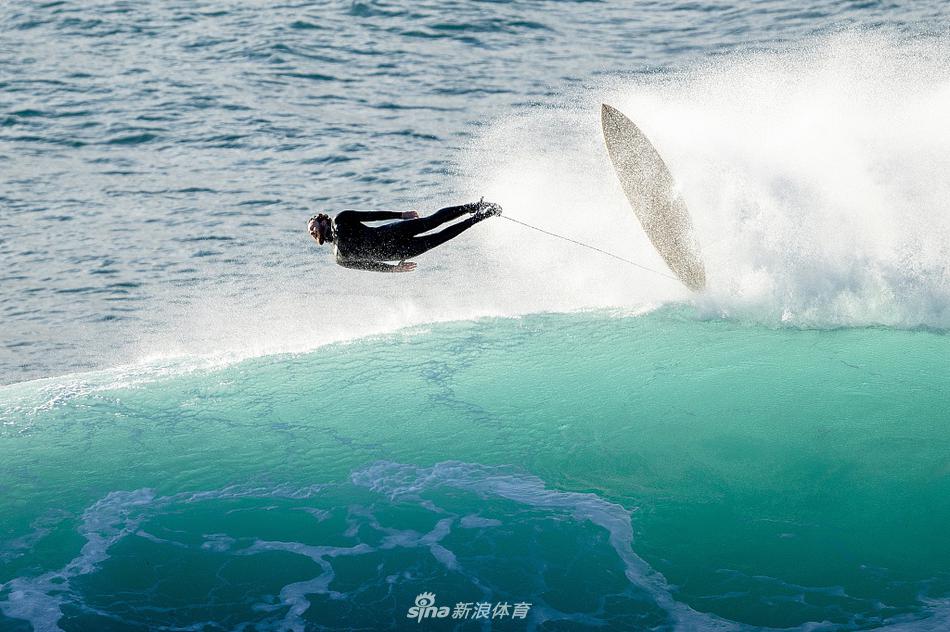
{"x": 157, "y": 159}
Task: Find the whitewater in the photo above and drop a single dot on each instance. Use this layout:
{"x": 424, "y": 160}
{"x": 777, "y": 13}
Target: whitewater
{"x": 207, "y": 425}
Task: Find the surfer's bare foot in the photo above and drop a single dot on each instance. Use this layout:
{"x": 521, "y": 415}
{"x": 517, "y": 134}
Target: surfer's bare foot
{"x": 473, "y": 207}
{"x": 485, "y": 210}
{"x": 404, "y": 266}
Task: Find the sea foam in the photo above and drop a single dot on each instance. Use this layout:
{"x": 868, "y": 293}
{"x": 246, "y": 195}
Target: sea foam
{"x": 816, "y": 179}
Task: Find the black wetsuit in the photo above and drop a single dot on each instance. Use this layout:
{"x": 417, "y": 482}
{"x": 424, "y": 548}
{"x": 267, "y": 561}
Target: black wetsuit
{"x": 366, "y": 247}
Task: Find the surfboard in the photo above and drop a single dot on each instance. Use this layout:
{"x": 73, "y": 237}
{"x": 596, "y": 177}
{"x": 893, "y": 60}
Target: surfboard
{"x": 649, "y": 188}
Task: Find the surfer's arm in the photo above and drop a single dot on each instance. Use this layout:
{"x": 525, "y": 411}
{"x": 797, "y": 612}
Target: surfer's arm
{"x": 374, "y": 216}
{"x": 377, "y": 266}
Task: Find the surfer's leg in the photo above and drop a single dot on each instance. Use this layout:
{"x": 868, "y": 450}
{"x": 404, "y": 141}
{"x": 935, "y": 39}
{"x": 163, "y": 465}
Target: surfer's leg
{"x": 425, "y": 224}
{"x": 419, "y": 245}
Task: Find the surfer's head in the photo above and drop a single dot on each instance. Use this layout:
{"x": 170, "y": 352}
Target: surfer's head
{"x": 320, "y": 228}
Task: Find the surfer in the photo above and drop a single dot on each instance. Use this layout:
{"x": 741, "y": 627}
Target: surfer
{"x": 363, "y": 247}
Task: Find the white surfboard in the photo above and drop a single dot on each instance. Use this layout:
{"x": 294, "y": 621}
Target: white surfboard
{"x": 650, "y": 190}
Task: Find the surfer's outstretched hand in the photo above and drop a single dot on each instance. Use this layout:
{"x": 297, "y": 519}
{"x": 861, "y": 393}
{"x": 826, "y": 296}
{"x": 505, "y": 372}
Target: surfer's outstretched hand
{"x": 404, "y": 266}
{"x": 410, "y": 214}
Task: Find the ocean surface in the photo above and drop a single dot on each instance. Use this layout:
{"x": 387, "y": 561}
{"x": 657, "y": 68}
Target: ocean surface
{"x": 207, "y": 425}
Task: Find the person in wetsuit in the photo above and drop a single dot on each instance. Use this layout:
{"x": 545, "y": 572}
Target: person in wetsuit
{"x": 363, "y": 247}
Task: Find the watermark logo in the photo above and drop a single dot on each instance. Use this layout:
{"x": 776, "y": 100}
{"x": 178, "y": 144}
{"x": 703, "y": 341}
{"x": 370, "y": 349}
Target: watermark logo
{"x": 425, "y": 608}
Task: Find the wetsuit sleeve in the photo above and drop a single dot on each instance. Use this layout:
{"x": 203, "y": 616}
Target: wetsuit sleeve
{"x": 367, "y": 216}
{"x": 374, "y": 266}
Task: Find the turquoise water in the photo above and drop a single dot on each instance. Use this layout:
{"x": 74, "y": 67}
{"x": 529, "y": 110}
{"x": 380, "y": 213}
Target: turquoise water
{"x": 206, "y": 425}
{"x": 660, "y": 471}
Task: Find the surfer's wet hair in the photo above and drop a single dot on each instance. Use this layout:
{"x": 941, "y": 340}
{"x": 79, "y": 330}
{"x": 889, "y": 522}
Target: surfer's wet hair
{"x": 313, "y": 224}
{"x": 319, "y": 217}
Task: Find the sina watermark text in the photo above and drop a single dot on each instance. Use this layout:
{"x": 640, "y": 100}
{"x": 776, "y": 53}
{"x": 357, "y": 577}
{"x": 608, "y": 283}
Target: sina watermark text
{"x": 426, "y": 608}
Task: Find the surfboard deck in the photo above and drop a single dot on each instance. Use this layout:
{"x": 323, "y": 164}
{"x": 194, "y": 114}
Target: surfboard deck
{"x": 649, "y": 187}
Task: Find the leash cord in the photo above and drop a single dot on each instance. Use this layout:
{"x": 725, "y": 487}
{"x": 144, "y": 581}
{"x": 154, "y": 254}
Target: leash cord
{"x": 579, "y": 243}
